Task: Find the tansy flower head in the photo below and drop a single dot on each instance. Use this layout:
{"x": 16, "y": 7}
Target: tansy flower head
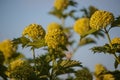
{"x": 16, "y": 64}
{"x": 34, "y": 31}
{"x": 101, "y": 19}
{"x": 53, "y": 26}
{"x": 108, "y": 77}
{"x": 81, "y": 26}
{"x": 55, "y": 37}
{"x": 115, "y": 40}
{"x": 7, "y": 48}
{"x": 61, "y": 4}
{"x": 99, "y": 68}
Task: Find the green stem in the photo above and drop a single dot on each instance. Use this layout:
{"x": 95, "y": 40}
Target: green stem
{"x": 33, "y": 51}
{"x": 53, "y": 73}
{"x": 108, "y": 36}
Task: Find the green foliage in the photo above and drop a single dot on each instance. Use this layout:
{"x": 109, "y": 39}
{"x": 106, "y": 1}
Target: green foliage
{"x": 21, "y": 40}
{"x": 83, "y": 74}
{"x": 43, "y": 66}
{"x": 2, "y": 59}
{"x": 88, "y": 12}
{"x": 106, "y": 49}
{"x": 116, "y": 22}
{"x": 23, "y": 72}
{"x": 37, "y": 44}
{"x": 116, "y": 62}
{"x": 2, "y": 72}
{"x": 85, "y": 41}
{"x": 54, "y": 62}
{"x": 69, "y": 63}
{"x": 26, "y": 42}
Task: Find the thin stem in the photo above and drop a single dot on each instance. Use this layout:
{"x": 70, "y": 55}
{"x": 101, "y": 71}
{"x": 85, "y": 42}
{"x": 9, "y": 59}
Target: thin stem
{"x": 53, "y": 73}
{"x": 108, "y": 36}
{"x": 33, "y": 51}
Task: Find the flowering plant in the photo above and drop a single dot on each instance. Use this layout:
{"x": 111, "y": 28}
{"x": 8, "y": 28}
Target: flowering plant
{"x": 56, "y": 41}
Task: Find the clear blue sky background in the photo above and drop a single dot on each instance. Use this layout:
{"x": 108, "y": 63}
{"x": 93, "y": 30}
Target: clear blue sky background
{"x": 16, "y": 14}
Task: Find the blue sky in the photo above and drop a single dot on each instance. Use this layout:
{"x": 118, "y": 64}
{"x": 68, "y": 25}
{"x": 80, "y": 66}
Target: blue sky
{"x": 16, "y": 14}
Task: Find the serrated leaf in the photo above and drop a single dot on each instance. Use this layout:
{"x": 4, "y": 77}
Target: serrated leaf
{"x": 116, "y": 62}
{"x": 65, "y": 71}
{"x": 37, "y": 44}
{"x": 63, "y": 47}
{"x": 102, "y": 49}
{"x": 72, "y": 3}
{"x": 116, "y": 22}
{"x": 98, "y": 34}
{"x": 22, "y": 40}
{"x": 88, "y": 32}
{"x": 86, "y": 41}
{"x": 85, "y": 11}
{"x": 69, "y": 63}
{"x": 92, "y": 9}
{"x": 57, "y": 13}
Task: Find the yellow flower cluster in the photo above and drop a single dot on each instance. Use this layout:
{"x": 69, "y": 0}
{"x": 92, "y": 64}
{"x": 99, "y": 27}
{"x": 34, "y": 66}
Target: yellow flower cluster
{"x": 115, "y": 40}
{"x": 101, "y": 19}
{"x": 55, "y": 36}
{"x": 34, "y": 31}
{"x": 53, "y": 26}
{"x": 81, "y": 26}
{"x": 16, "y": 64}
{"x": 99, "y": 68}
{"x": 108, "y": 77}
{"x": 7, "y": 48}
{"x": 61, "y": 4}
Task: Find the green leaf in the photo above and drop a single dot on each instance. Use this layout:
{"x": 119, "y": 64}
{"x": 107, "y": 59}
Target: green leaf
{"x": 92, "y": 9}
{"x": 85, "y": 41}
{"x": 69, "y": 63}
{"x": 85, "y": 11}
{"x": 63, "y": 47}
{"x": 57, "y": 13}
{"x": 22, "y": 40}
{"x": 72, "y": 3}
{"x": 88, "y": 32}
{"x": 116, "y": 22}
{"x": 102, "y": 49}
{"x": 3, "y": 69}
{"x": 37, "y": 44}
{"x": 98, "y": 34}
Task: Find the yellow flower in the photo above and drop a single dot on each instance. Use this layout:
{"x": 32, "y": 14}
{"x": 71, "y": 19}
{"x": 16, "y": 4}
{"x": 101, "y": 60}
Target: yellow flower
{"x": 55, "y": 37}
{"x": 108, "y": 77}
{"x": 81, "y": 26}
{"x": 34, "y": 31}
{"x": 115, "y": 40}
{"x": 16, "y": 64}
{"x": 7, "y": 48}
{"x": 101, "y": 19}
{"x": 99, "y": 68}
{"x": 52, "y": 26}
{"x": 61, "y": 4}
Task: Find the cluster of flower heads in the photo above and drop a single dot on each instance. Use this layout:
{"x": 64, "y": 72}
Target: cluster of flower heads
{"x": 55, "y": 36}
{"x": 115, "y": 40}
{"x": 108, "y": 77}
{"x": 101, "y": 19}
{"x": 34, "y": 31}
{"x": 99, "y": 68}
{"x": 53, "y": 26}
{"x": 81, "y": 26}
{"x": 7, "y": 48}
{"x": 61, "y": 4}
{"x": 16, "y": 63}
